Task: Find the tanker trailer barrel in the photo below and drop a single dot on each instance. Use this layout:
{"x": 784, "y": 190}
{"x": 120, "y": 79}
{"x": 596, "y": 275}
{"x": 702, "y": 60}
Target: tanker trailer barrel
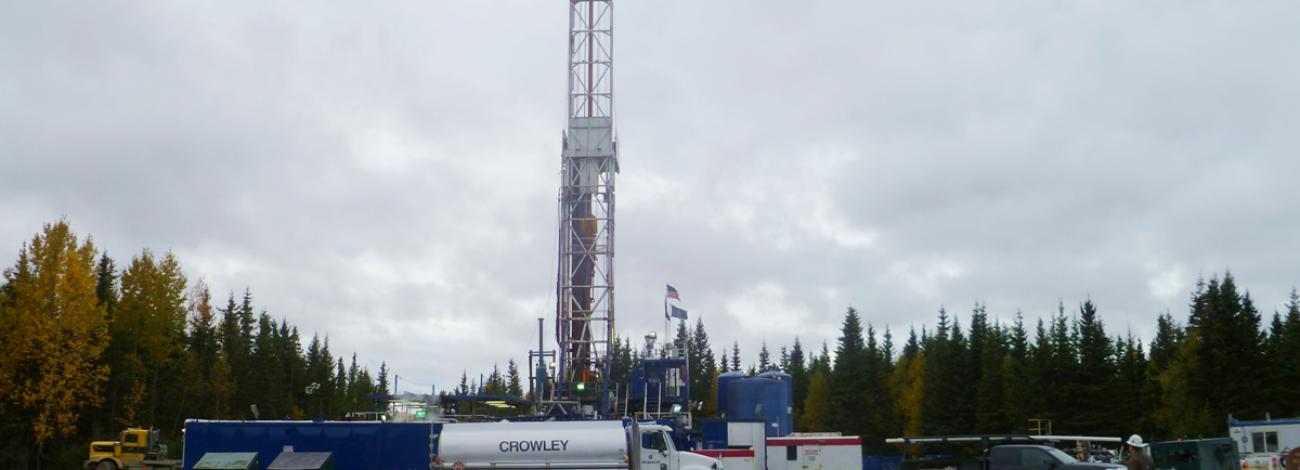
{"x": 555, "y": 445}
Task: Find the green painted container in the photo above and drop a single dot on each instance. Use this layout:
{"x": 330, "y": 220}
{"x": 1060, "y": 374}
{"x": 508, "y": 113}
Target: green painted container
{"x": 1196, "y": 454}
{"x": 227, "y": 461}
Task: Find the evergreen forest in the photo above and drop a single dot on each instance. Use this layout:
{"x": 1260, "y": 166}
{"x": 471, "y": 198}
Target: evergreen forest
{"x": 88, "y": 347}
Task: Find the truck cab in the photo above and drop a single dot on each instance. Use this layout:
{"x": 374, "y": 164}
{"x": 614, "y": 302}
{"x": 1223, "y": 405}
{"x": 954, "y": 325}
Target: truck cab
{"x": 1038, "y": 457}
{"x": 134, "y": 447}
{"x": 659, "y": 453}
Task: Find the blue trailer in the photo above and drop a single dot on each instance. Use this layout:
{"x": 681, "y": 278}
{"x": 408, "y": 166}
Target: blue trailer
{"x": 360, "y": 445}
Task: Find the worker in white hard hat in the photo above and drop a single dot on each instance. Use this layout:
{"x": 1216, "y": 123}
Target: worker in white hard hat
{"x": 1137, "y": 459}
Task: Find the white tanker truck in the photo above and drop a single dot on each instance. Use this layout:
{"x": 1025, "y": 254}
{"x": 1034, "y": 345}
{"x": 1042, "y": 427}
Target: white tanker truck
{"x": 562, "y": 445}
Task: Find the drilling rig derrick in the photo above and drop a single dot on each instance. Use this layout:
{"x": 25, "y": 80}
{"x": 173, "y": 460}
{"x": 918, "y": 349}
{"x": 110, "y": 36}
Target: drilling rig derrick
{"x": 589, "y": 162}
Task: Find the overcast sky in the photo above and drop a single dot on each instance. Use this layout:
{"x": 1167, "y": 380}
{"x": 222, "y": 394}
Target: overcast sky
{"x": 385, "y": 173}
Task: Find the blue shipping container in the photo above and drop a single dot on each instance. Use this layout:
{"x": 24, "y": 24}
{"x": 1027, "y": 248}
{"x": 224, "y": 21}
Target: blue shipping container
{"x": 359, "y": 445}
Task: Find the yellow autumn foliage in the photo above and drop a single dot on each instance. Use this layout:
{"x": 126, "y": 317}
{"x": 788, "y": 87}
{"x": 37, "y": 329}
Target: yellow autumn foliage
{"x": 907, "y": 385}
{"x": 54, "y": 333}
{"x": 816, "y": 405}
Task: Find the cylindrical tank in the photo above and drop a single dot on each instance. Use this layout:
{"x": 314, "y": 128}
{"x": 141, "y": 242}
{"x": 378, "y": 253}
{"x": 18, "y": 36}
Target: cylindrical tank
{"x": 778, "y": 375}
{"x": 775, "y": 399}
{"x": 724, "y": 380}
{"x": 781, "y": 403}
{"x": 742, "y": 399}
{"x": 557, "y": 444}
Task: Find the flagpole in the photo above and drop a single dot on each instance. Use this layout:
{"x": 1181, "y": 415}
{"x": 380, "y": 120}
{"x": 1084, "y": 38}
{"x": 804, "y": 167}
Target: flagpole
{"x": 666, "y": 336}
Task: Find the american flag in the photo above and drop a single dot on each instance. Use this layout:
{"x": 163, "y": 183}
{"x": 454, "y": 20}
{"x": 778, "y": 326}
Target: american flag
{"x": 672, "y": 293}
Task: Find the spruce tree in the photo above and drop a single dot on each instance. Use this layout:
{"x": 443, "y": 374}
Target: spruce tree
{"x": 703, "y": 366}
{"x": 784, "y": 363}
{"x": 1095, "y": 375}
{"x": 1274, "y": 380}
{"x": 972, "y": 360}
{"x": 798, "y": 378}
{"x": 203, "y": 347}
{"x": 848, "y": 378}
{"x": 1038, "y": 380}
{"x": 823, "y": 361}
{"x": 944, "y": 363}
{"x": 1125, "y": 396}
{"x": 513, "y": 383}
{"x": 1225, "y": 327}
{"x": 682, "y": 339}
{"x": 494, "y": 384}
{"x": 991, "y": 414}
{"x": 106, "y": 284}
{"x": 875, "y": 403}
{"x": 1062, "y": 377}
{"x": 1015, "y": 376}
{"x": 340, "y": 396}
{"x": 963, "y": 401}
{"x": 1287, "y": 363}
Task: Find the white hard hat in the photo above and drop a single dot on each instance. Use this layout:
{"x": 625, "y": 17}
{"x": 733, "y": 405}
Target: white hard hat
{"x": 1136, "y": 441}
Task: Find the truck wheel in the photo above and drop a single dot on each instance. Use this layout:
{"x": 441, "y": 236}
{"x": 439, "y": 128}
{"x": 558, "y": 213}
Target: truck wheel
{"x": 106, "y": 465}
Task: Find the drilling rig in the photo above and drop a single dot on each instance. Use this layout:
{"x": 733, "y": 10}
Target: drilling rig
{"x": 588, "y": 162}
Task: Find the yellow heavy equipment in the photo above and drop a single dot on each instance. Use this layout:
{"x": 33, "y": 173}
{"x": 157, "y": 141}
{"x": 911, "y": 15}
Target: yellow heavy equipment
{"x": 135, "y": 448}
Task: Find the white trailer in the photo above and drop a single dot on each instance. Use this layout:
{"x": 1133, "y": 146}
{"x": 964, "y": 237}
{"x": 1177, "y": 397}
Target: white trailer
{"x": 814, "y": 453}
{"x": 733, "y": 459}
{"x": 1263, "y": 443}
{"x": 561, "y": 445}
{"x": 1265, "y": 437}
{"x": 748, "y": 435}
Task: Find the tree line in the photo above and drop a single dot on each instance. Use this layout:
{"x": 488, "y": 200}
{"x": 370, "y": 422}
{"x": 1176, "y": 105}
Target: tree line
{"x": 1066, "y": 372}
{"x": 87, "y": 349}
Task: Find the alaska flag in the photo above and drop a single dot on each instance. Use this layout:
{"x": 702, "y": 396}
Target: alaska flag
{"x": 677, "y": 312}
{"x": 672, "y": 293}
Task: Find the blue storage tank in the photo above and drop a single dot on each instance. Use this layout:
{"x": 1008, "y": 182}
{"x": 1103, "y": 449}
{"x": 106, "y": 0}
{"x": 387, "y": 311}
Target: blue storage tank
{"x": 778, "y": 375}
{"x": 724, "y": 381}
{"x": 777, "y": 403}
{"x": 742, "y": 399}
{"x": 766, "y": 398}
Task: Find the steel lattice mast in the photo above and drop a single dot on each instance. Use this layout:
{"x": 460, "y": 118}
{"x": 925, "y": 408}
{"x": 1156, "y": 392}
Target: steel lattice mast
{"x": 589, "y": 161}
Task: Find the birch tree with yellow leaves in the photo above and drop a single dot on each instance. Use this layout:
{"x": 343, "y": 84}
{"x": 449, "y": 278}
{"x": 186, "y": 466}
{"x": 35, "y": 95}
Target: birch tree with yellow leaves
{"x": 52, "y": 333}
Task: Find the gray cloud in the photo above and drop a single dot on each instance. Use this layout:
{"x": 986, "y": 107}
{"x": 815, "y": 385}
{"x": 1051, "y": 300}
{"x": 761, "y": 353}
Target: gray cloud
{"x": 386, "y": 174}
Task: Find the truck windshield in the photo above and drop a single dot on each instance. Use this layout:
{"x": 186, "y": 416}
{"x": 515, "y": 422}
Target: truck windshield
{"x": 1062, "y": 456}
